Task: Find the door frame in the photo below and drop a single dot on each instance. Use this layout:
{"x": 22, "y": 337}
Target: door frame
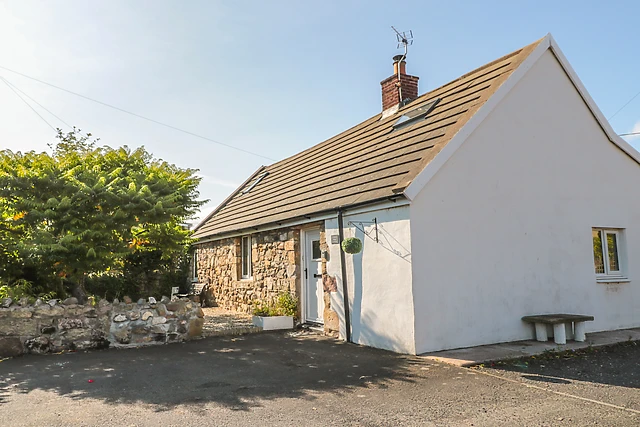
{"x": 303, "y": 260}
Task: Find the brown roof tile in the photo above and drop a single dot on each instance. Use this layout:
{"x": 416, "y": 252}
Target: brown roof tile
{"x": 370, "y": 161}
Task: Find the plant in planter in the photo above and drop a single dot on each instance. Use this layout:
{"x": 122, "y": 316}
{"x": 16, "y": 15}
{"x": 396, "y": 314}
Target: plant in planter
{"x": 352, "y": 245}
{"x": 280, "y": 316}
{"x": 287, "y": 304}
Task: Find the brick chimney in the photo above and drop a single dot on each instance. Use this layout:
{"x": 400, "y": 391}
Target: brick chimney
{"x": 408, "y": 85}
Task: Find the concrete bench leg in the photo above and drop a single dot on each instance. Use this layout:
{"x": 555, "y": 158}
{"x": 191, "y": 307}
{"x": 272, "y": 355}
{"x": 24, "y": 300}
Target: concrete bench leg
{"x": 559, "y": 333}
{"x": 579, "y": 333}
{"x": 568, "y": 329}
{"x": 541, "y": 332}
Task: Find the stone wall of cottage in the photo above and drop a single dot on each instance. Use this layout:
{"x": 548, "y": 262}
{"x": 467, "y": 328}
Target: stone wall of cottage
{"x": 276, "y": 269}
{"x": 275, "y": 259}
{"x": 53, "y": 326}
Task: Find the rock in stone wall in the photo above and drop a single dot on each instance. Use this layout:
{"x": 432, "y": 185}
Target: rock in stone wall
{"x": 134, "y": 324}
{"x": 275, "y": 266}
{"x": 53, "y": 327}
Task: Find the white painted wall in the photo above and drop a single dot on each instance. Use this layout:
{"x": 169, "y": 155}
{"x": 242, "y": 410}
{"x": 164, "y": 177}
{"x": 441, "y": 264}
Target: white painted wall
{"x": 378, "y": 279}
{"x": 503, "y": 229}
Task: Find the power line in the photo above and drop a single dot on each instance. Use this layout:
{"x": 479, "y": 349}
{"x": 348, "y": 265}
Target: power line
{"x": 622, "y": 108}
{"x": 629, "y": 134}
{"x": 28, "y": 105}
{"x": 137, "y": 115}
{"x": 44, "y": 108}
{"x": 36, "y": 102}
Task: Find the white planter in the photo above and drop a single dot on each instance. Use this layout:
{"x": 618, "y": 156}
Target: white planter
{"x": 272, "y": 323}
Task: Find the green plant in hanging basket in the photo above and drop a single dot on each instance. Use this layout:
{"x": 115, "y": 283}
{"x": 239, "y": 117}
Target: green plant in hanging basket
{"x": 352, "y": 245}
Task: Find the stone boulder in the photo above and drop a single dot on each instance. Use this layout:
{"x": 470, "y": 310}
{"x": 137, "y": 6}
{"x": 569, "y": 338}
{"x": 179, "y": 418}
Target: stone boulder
{"x": 11, "y": 347}
{"x": 70, "y": 301}
{"x": 195, "y": 328}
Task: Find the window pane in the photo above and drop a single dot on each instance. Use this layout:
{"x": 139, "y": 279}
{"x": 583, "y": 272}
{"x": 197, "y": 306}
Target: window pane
{"x": 246, "y": 257}
{"x": 598, "y": 256}
{"x": 612, "y": 248}
{"x": 315, "y": 249}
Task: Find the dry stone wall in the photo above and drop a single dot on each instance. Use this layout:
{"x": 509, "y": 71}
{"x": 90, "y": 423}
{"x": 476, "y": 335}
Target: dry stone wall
{"x": 275, "y": 269}
{"x": 53, "y": 326}
{"x": 141, "y": 323}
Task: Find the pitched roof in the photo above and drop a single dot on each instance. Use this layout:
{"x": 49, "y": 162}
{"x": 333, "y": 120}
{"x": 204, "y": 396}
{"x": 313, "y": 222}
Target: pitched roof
{"x": 371, "y": 161}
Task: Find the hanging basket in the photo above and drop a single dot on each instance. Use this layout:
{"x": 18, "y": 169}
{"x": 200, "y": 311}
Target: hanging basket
{"x": 352, "y": 245}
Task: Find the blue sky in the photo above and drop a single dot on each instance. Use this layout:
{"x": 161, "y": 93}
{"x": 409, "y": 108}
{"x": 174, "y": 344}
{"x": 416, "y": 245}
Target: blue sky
{"x": 275, "y": 77}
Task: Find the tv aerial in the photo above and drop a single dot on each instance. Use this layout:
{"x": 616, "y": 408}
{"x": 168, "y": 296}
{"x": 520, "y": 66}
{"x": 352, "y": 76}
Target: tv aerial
{"x": 405, "y": 38}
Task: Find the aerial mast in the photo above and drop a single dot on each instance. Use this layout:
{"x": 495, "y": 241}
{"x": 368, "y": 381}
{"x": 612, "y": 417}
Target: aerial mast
{"x": 405, "y": 39}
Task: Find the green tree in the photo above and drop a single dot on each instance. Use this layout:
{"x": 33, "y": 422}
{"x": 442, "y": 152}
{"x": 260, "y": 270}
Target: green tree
{"x": 85, "y": 210}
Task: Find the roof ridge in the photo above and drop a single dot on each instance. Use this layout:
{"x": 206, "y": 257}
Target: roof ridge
{"x": 462, "y": 77}
{"x": 325, "y": 187}
{"x": 476, "y": 70}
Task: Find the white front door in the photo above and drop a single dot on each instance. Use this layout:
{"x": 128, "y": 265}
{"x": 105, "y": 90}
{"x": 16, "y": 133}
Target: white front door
{"x": 313, "y": 295}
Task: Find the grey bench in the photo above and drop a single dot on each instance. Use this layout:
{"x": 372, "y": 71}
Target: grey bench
{"x": 565, "y": 326}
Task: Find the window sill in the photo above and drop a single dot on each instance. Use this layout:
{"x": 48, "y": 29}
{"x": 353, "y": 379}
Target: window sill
{"x": 613, "y": 280}
{"x": 246, "y": 279}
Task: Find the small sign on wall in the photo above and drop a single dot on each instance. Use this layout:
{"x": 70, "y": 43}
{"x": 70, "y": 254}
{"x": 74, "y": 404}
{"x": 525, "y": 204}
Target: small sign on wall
{"x": 335, "y": 239}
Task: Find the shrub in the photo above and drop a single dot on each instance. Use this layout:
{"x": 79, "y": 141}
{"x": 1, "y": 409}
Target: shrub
{"x": 264, "y": 310}
{"x": 24, "y": 289}
{"x": 286, "y": 305}
{"x": 83, "y": 211}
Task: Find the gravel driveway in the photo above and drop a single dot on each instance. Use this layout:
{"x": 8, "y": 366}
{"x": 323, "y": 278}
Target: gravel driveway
{"x": 218, "y": 321}
{"x": 289, "y": 380}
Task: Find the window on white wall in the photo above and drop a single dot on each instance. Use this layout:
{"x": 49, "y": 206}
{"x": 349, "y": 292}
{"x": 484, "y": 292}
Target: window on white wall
{"x": 245, "y": 251}
{"x": 608, "y": 252}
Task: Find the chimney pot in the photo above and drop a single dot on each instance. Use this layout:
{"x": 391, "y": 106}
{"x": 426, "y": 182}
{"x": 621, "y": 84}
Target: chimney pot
{"x": 408, "y": 85}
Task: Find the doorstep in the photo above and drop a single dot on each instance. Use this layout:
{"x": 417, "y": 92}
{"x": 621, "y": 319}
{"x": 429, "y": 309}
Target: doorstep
{"x": 511, "y": 350}
{"x": 315, "y": 327}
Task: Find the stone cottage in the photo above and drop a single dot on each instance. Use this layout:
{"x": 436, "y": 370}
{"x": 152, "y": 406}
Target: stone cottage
{"x": 501, "y": 194}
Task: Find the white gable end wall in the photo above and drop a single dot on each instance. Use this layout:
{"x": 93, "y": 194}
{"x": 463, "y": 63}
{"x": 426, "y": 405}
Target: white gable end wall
{"x": 503, "y": 229}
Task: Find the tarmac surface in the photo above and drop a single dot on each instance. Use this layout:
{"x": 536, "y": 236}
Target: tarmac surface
{"x": 307, "y": 380}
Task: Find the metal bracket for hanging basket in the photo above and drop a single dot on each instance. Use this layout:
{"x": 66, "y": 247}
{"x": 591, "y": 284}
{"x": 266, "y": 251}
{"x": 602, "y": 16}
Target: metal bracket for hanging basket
{"x": 361, "y": 228}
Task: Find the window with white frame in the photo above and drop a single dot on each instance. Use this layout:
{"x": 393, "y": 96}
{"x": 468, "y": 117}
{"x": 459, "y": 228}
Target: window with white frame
{"x": 607, "y": 252}
{"x": 194, "y": 266}
{"x": 245, "y": 251}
